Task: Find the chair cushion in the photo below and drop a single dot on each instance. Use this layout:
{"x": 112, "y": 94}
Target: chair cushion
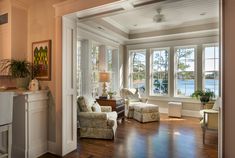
{"x": 96, "y": 107}
{"x": 145, "y": 108}
{"x": 217, "y": 104}
{"x": 83, "y": 105}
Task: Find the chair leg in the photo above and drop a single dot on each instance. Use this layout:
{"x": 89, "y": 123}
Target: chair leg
{"x": 204, "y": 133}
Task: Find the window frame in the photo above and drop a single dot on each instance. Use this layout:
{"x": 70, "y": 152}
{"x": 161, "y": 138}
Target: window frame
{"x": 175, "y": 69}
{"x": 151, "y": 71}
{"x": 203, "y": 64}
{"x": 130, "y": 54}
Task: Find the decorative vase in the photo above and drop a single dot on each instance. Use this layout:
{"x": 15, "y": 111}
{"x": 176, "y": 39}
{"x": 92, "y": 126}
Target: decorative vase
{"x": 22, "y": 83}
{"x": 34, "y": 85}
{"x": 204, "y": 99}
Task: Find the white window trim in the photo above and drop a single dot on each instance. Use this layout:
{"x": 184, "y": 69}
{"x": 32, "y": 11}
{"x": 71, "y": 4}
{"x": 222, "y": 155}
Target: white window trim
{"x": 175, "y": 69}
{"x": 130, "y": 52}
{"x": 203, "y": 62}
{"x": 150, "y": 72}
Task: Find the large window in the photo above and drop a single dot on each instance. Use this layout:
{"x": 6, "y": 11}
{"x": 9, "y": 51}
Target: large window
{"x": 159, "y": 68}
{"x": 185, "y": 71}
{"x": 138, "y": 70}
{"x": 211, "y": 68}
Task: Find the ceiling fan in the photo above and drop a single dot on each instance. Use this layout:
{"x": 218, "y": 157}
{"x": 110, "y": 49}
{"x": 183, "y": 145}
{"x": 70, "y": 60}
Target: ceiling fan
{"x": 159, "y": 17}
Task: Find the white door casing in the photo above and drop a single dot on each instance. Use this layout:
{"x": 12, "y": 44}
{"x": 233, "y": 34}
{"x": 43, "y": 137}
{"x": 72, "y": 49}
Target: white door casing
{"x": 69, "y": 107}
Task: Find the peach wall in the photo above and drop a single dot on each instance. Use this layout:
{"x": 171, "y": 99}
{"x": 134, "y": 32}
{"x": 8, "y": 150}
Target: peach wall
{"x": 41, "y": 26}
{"x": 229, "y": 78}
{"x": 19, "y": 28}
{"x": 5, "y": 31}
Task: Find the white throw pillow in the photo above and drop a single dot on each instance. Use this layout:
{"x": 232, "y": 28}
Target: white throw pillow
{"x": 217, "y": 104}
{"x": 96, "y": 107}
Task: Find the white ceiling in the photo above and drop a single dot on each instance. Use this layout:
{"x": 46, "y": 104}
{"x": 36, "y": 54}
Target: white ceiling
{"x": 126, "y": 21}
{"x": 177, "y": 14}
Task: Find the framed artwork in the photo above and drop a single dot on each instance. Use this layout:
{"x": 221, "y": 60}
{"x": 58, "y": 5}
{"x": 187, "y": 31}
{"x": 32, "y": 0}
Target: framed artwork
{"x": 42, "y": 60}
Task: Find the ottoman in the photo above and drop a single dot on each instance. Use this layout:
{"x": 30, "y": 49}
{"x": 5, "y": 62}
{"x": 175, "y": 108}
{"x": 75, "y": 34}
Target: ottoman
{"x": 174, "y": 109}
{"x": 146, "y": 112}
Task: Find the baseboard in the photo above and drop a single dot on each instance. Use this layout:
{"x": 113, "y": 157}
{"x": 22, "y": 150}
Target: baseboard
{"x": 163, "y": 110}
{"x": 190, "y": 113}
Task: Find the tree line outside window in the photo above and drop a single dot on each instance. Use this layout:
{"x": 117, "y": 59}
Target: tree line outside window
{"x": 185, "y": 76}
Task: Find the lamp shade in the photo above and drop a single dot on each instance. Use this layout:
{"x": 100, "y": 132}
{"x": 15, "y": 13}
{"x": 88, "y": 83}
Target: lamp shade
{"x": 104, "y": 77}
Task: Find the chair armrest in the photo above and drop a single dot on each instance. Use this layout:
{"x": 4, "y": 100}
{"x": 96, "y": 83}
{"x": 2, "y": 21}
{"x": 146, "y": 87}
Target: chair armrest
{"x": 210, "y": 119}
{"x": 106, "y": 108}
{"x": 94, "y": 120}
{"x": 144, "y": 100}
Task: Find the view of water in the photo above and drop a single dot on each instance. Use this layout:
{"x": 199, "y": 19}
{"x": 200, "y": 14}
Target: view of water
{"x": 186, "y": 87}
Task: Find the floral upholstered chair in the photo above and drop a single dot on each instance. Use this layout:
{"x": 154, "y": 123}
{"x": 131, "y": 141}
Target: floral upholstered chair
{"x": 96, "y": 121}
{"x": 210, "y": 118}
{"x": 131, "y": 97}
{"x": 138, "y": 108}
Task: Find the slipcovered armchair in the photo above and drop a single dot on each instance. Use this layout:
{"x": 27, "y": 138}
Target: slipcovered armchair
{"x": 210, "y": 118}
{"x": 138, "y": 108}
{"x": 131, "y": 97}
{"x": 96, "y": 121}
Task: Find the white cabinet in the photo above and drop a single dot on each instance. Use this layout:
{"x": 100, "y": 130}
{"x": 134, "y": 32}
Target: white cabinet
{"x": 29, "y": 128}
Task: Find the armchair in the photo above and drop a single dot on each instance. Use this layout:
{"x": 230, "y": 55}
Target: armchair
{"x": 131, "y": 97}
{"x": 100, "y": 124}
{"x": 210, "y": 118}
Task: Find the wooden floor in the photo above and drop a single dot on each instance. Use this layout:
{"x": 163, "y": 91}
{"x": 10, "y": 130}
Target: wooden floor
{"x": 169, "y": 138}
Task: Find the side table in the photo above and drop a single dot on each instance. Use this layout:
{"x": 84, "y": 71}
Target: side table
{"x": 117, "y": 105}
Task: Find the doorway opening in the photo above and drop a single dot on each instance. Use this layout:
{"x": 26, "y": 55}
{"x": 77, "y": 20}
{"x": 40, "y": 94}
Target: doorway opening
{"x": 128, "y": 38}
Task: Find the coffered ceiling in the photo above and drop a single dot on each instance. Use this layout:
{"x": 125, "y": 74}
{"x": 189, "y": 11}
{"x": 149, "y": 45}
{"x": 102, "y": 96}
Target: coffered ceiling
{"x": 129, "y": 20}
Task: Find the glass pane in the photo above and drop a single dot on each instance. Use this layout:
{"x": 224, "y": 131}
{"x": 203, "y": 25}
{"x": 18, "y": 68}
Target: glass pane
{"x": 209, "y": 53}
{"x": 159, "y": 72}
{"x": 95, "y": 69}
{"x": 209, "y": 65}
{"x": 217, "y": 52}
{"x": 138, "y": 61}
{"x": 211, "y": 68}
{"x": 185, "y": 80}
{"x": 185, "y": 87}
{"x": 139, "y": 81}
{"x": 138, "y": 70}
{"x": 217, "y": 64}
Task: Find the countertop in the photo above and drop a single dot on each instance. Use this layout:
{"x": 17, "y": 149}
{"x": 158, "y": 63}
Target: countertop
{"x": 22, "y": 92}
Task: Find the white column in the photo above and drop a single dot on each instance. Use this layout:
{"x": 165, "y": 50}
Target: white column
{"x": 115, "y": 71}
{"x": 103, "y": 62}
{"x": 86, "y": 67}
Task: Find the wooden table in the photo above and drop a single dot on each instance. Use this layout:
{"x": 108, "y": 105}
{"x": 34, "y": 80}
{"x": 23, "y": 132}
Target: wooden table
{"x": 117, "y": 105}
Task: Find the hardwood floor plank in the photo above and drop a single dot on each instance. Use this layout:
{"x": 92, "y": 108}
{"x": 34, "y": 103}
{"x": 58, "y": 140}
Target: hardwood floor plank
{"x": 169, "y": 138}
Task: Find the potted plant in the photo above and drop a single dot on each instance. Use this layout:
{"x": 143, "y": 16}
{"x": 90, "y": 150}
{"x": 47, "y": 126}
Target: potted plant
{"x": 204, "y": 96}
{"x": 18, "y": 69}
{"x": 110, "y": 93}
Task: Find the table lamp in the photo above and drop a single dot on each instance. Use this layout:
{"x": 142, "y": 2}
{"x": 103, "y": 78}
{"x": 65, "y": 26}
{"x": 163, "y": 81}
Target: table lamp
{"x": 104, "y": 77}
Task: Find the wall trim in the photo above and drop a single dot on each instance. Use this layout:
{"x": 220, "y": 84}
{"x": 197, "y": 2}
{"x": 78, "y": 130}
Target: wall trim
{"x": 189, "y": 113}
